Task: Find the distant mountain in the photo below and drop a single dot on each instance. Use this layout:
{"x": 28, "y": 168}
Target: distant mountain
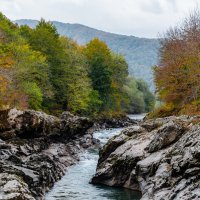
{"x": 140, "y": 53}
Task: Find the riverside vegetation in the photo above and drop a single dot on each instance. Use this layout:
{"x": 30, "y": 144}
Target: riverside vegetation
{"x": 41, "y": 70}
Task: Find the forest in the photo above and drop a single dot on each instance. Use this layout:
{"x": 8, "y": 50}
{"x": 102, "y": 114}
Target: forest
{"x": 42, "y": 70}
{"x": 140, "y": 53}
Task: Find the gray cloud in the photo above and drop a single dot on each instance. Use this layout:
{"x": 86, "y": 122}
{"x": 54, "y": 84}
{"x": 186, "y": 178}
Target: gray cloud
{"x": 144, "y": 18}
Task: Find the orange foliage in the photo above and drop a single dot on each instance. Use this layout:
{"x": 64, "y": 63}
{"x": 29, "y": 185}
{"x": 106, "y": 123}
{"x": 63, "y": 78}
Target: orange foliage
{"x": 178, "y": 77}
{"x": 10, "y": 97}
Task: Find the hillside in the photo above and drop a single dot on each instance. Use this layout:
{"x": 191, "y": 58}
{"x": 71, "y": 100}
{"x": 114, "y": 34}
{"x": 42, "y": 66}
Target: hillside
{"x": 141, "y": 53}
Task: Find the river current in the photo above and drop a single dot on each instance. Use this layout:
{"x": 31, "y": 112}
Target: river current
{"x": 75, "y": 184}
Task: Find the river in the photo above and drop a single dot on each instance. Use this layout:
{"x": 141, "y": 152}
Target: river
{"x": 75, "y": 184}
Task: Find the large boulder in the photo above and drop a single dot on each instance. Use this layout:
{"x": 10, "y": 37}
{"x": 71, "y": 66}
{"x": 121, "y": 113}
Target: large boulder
{"x": 160, "y": 158}
{"x": 36, "y": 149}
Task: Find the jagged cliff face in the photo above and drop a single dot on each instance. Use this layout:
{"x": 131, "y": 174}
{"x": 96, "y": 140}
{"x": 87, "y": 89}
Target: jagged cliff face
{"x": 160, "y": 158}
{"x": 36, "y": 149}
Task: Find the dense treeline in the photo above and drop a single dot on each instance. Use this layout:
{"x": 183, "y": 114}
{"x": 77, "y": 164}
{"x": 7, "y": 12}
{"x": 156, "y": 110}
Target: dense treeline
{"x": 39, "y": 69}
{"x": 178, "y": 76}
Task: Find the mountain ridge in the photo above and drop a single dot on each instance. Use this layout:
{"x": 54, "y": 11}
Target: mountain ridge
{"x": 35, "y": 21}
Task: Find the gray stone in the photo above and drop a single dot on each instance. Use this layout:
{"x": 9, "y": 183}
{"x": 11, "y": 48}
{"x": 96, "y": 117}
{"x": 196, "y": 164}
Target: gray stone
{"x": 160, "y": 158}
{"x": 36, "y": 149}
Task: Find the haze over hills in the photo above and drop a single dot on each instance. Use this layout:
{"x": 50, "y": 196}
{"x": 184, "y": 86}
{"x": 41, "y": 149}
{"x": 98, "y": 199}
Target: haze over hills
{"x": 140, "y": 53}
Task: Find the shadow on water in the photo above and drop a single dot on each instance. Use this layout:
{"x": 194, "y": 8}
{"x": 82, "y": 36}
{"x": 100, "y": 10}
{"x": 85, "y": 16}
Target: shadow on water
{"x": 75, "y": 184}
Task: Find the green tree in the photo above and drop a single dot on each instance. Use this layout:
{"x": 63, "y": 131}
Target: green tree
{"x": 99, "y": 60}
{"x": 78, "y": 84}
{"x": 119, "y": 69}
{"x": 149, "y": 98}
{"x": 136, "y": 102}
{"x": 34, "y": 93}
{"x": 25, "y": 31}
{"x": 31, "y": 66}
{"x": 45, "y": 39}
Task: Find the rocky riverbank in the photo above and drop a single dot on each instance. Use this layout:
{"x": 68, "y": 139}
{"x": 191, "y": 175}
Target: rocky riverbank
{"x": 36, "y": 149}
{"x": 160, "y": 158}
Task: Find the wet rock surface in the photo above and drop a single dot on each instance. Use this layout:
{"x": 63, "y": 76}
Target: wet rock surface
{"x": 160, "y": 158}
{"x": 36, "y": 149}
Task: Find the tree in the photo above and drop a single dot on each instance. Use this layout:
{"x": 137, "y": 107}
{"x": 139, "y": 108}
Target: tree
{"x": 19, "y": 65}
{"x": 177, "y": 77}
{"x": 44, "y": 38}
{"x": 149, "y": 99}
{"x": 6, "y": 62}
{"x": 136, "y": 102}
{"x": 31, "y": 69}
{"x": 119, "y": 71}
{"x": 78, "y": 84}
{"x": 34, "y": 93}
{"x": 8, "y": 38}
{"x": 99, "y": 59}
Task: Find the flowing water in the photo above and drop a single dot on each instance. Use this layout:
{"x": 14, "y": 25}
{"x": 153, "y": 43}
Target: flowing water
{"x": 75, "y": 184}
{"x": 137, "y": 116}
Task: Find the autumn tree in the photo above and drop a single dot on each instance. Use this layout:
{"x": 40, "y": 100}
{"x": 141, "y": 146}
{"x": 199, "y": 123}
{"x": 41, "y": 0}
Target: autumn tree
{"x": 177, "y": 77}
{"x": 23, "y": 72}
{"x": 8, "y": 39}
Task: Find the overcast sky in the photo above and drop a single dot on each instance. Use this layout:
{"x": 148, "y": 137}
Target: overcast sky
{"x": 143, "y": 18}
